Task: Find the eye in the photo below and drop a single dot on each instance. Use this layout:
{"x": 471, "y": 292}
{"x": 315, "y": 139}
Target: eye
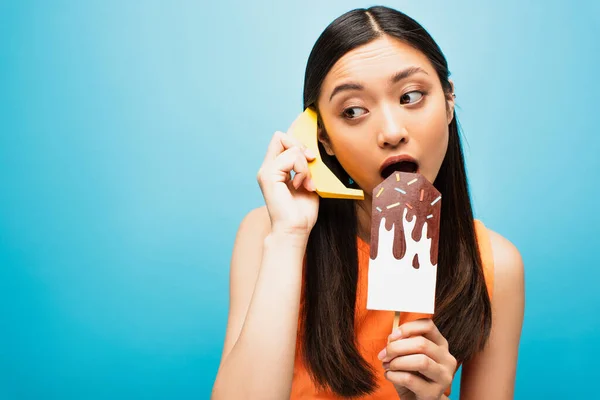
{"x": 350, "y": 112}
{"x": 408, "y": 98}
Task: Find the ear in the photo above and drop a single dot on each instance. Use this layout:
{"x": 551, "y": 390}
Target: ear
{"x": 451, "y": 102}
{"x": 324, "y": 138}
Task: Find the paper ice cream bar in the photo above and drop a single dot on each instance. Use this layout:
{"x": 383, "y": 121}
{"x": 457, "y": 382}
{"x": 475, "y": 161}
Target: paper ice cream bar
{"x": 404, "y": 244}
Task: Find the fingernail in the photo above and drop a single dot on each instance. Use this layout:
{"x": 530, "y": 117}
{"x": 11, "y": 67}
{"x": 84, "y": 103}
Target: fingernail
{"x": 382, "y": 354}
{"x": 312, "y": 185}
{"x": 309, "y": 153}
{"x": 396, "y": 334}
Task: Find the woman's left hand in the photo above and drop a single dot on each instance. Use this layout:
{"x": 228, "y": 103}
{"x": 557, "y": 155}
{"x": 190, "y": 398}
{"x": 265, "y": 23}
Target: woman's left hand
{"x": 417, "y": 361}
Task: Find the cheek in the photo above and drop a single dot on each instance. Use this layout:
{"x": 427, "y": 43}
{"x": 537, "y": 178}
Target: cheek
{"x": 352, "y": 155}
{"x": 438, "y": 142}
{"x": 435, "y": 147}
{"x": 352, "y": 151}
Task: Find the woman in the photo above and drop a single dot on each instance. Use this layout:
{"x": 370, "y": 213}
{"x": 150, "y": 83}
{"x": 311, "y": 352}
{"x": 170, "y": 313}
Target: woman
{"x": 297, "y": 326}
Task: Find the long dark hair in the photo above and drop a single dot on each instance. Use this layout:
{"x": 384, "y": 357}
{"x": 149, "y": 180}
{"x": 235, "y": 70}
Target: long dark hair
{"x": 463, "y": 309}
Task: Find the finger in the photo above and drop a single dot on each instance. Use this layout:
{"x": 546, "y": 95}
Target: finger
{"x": 275, "y": 147}
{"x": 309, "y": 184}
{"x": 301, "y": 169}
{"x": 290, "y": 160}
{"x": 423, "y": 364}
{"x": 290, "y": 141}
{"x": 413, "y": 345}
{"x": 424, "y": 327}
{"x": 281, "y": 142}
{"x": 412, "y": 382}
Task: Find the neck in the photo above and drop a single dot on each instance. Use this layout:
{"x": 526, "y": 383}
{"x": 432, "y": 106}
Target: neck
{"x": 363, "y": 214}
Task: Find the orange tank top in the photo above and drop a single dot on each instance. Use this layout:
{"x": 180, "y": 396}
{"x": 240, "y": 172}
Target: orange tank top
{"x": 372, "y": 327}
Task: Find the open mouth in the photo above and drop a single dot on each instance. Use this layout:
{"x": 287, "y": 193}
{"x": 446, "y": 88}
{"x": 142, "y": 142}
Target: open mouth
{"x": 402, "y": 166}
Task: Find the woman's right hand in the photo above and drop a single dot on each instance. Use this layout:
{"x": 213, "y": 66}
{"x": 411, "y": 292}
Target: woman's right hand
{"x": 293, "y": 205}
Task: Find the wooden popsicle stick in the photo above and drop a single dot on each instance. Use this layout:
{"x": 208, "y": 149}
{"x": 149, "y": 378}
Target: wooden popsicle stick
{"x": 396, "y": 319}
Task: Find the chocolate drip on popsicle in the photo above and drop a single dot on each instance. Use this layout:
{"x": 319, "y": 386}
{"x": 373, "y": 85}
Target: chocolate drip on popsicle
{"x": 415, "y": 262}
{"x": 410, "y": 191}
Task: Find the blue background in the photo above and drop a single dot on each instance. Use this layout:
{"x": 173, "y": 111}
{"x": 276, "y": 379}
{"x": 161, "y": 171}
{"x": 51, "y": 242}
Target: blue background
{"x": 130, "y": 137}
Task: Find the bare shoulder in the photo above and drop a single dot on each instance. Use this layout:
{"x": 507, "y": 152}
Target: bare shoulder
{"x": 490, "y": 373}
{"x": 508, "y": 263}
{"x": 256, "y": 222}
{"x": 248, "y": 246}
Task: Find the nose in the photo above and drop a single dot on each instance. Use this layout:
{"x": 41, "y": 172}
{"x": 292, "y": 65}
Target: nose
{"x": 392, "y": 131}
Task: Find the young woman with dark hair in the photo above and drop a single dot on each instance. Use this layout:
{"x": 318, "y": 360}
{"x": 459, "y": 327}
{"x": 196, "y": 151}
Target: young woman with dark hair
{"x": 298, "y": 325}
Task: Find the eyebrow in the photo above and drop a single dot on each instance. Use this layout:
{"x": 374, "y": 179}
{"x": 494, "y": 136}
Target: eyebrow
{"x": 398, "y": 76}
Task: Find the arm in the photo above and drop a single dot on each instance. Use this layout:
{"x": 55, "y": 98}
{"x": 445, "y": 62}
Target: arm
{"x": 490, "y": 374}
{"x": 260, "y": 340}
